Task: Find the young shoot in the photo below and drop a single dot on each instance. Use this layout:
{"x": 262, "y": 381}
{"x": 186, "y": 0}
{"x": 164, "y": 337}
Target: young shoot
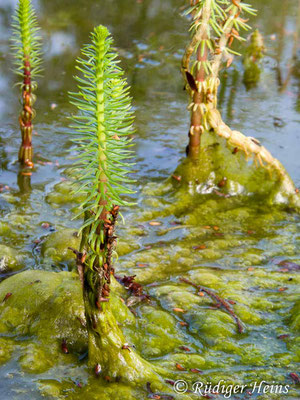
{"x": 101, "y": 132}
{"x": 26, "y": 50}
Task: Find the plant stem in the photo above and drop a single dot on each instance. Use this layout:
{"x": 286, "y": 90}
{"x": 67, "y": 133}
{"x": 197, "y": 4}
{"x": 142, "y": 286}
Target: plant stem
{"x": 96, "y": 276}
{"x": 219, "y": 300}
{"x": 26, "y": 116}
{"x": 102, "y": 275}
{"x": 196, "y": 126}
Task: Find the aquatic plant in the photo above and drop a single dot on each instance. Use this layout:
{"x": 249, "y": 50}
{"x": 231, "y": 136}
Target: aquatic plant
{"x": 216, "y": 24}
{"x": 102, "y": 129}
{"x": 252, "y": 59}
{"x": 26, "y": 50}
{"x": 101, "y": 132}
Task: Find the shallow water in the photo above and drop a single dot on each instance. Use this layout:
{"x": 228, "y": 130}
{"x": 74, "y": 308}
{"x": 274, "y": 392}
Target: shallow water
{"x": 242, "y": 244}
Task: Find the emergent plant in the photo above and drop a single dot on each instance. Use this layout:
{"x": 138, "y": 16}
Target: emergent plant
{"x": 215, "y": 26}
{"x": 101, "y": 132}
{"x": 26, "y": 50}
{"x": 102, "y": 129}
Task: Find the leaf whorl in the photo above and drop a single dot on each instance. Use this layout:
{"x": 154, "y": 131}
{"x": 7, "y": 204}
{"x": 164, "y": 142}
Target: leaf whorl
{"x": 25, "y": 41}
{"x": 101, "y": 130}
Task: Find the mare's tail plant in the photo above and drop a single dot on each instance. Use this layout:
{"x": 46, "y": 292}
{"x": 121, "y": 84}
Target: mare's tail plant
{"x": 216, "y": 25}
{"x": 101, "y": 132}
{"x": 26, "y": 50}
{"x": 102, "y": 129}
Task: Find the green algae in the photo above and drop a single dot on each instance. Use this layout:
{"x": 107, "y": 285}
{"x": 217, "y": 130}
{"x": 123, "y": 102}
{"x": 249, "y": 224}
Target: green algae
{"x": 56, "y": 245}
{"x": 47, "y": 307}
{"x": 295, "y": 317}
{"x": 6, "y": 350}
{"x": 5, "y": 229}
{"x": 35, "y": 359}
{"x": 63, "y": 193}
{"x": 58, "y": 295}
{"x": 159, "y": 333}
{"x": 56, "y": 390}
{"x": 10, "y": 259}
{"x": 243, "y": 244}
{"x": 126, "y": 248}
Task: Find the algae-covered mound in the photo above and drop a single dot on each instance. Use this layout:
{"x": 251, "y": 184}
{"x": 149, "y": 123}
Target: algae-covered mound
{"x": 56, "y": 246}
{"x": 10, "y": 260}
{"x": 43, "y": 328}
{"x": 225, "y": 171}
{"x": 48, "y": 307}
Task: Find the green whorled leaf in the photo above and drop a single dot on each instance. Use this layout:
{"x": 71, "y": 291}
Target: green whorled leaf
{"x": 25, "y": 42}
{"x": 221, "y": 17}
{"x": 101, "y": 130}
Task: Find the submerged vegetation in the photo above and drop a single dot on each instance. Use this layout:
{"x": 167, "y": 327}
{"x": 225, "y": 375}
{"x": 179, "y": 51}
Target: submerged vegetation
{"x": 26, "y": 50}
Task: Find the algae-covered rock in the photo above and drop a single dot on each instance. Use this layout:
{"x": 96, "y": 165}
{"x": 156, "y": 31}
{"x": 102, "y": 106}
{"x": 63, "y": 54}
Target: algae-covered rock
{"x": 204, "y": 278}
{"x": 160, "y": 335}
{"x": 126, "y": 247}
{"x": 294, "y": 319}
{"x": 6, "y": 349}
{"x": 10, "y": 259}
{"x": 35, "y": 359}
{"x": 56, "y": 246}
{"x": 63, "y": 193}
{"x": 46, "y": 305}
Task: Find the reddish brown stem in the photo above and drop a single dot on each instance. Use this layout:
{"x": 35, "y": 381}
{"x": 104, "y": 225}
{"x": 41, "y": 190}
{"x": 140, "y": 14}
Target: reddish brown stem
{"x": 196, "y": 127}
{"x": 26, "y": 151}
{"x": 80, "y": 259}
{"x": 96, "y": 280}
{"x": 219, "y": 300}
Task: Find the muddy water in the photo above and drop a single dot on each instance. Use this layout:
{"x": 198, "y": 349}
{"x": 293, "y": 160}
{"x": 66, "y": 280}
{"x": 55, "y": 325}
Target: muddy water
{"x": 242, "y": 250}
